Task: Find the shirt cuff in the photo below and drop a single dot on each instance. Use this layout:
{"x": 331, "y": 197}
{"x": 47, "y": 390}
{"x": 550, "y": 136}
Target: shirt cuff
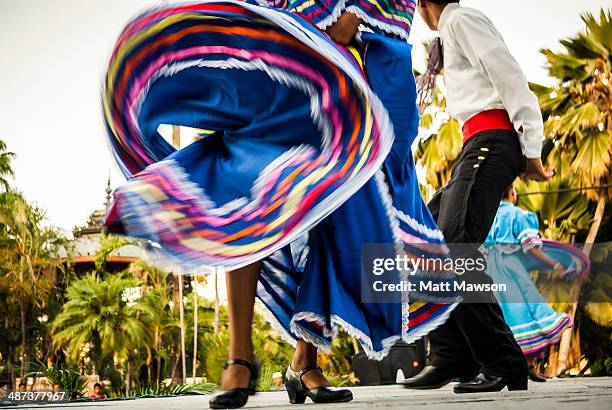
{"x": 531, "y": 149}
{"x": 530, "y": 238}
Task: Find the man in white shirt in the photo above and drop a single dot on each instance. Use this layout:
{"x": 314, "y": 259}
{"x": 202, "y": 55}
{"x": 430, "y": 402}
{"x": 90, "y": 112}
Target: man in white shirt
{"x": 503, "y": 132}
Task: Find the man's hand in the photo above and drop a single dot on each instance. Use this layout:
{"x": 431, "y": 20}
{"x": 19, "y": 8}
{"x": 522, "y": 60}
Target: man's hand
{"x": 535, "y": 170}
{"x": 344, "y": 29}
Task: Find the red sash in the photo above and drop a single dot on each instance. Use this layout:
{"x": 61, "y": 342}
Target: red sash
{"x": 497, "y": 119}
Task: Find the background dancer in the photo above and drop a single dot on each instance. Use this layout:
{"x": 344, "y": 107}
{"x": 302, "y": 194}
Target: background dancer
{"x": 514, "y": 249}
{"x": 502, "y": 125}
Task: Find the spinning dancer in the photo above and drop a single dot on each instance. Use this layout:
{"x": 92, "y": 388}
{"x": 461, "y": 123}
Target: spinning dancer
{"x": 514, "y": 249}
{"x": 301, "y": 144}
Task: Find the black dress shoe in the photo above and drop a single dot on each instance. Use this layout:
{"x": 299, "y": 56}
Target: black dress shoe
{"x": 298, "y": 392}
{"x": 487, "y": 383}
{"x": 236, "y": 398}
{"x": 433, "y": 377}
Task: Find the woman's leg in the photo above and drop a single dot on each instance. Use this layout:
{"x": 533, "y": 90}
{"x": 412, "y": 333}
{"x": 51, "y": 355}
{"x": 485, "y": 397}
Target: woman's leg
{"x": 241, "y": 289}
{"x": 305, "y": 355}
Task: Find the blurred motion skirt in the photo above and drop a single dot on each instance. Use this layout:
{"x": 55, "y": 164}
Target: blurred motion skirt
{"x": 302, "y": 167}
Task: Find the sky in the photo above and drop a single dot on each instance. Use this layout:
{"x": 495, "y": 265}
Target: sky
{"x": 53, "y": 55}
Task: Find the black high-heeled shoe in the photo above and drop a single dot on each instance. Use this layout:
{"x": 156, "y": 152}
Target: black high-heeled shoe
{"x": 236, "y": 398}
{"x": 298, "y": 392}
{"x": 534, "y": 377}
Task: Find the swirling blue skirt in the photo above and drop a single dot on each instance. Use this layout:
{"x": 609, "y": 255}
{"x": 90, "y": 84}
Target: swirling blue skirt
{"x": 309, "y": 159}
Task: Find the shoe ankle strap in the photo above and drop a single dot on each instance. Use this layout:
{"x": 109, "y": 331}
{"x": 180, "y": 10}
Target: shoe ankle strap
{"x": 305, "y": 370}
{"x": 251, "y": 366}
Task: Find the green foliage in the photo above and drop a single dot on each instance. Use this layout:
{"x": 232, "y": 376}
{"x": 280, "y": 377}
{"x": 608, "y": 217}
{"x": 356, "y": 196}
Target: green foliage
{"x": 563, "y": 215}
{"x": 69, "y": 380}
{"x": 161, "y": 318}
{"x": 278, "y": 351}
{"x": 336, "y": 365}
{"x": 578, "y": 128}
{"x": 26, "y": 248}
{"x": 5, "y": 165}
{"x": 108, "y": 245}
{"x": 98, "y": 313}
{"x": 215, "y": 353}
{"x": 272, "y": 353}
{"x": 597, "y": 287}
{"x": 116, "y": 381}
{"x": 602, "y": 367}
{"x": 437, "y": 152}
{"x": 579, "y": 107}
{"x": 595, "y": 342}
{"x": 29, "y": 266}
{"x": 157, "y": 389}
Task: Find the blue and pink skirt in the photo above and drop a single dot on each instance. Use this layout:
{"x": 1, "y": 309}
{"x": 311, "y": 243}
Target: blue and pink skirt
{"x": 534, "y": 323}
{"x": 306, "y": 159}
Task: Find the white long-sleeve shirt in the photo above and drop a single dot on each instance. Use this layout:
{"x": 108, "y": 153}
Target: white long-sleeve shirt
{"x": 480, "y": 74}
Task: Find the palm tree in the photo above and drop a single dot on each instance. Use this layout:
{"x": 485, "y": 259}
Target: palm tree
{"x": 562, "y": 214}
{"x": 579, "y": 111}
{"x": 156, "y": 302}
{"x": 5, "y": 165}
{"x": 437, "y": 153}
{"x": 194, "y": 365}
{"x": 28, "y": 260}
{"x": 178, "y": 281}
{"x": 108, "y": 245}
{"x": 99, "y": 314}
{"x": 579, "y": 118}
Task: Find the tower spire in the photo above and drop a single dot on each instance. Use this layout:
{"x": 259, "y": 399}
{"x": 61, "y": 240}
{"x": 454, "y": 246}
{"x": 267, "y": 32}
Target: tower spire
{"x": 108, "y": 192}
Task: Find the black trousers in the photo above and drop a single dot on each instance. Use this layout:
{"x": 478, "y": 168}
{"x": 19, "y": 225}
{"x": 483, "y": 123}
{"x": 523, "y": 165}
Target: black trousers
{"x": 476, "y": 337}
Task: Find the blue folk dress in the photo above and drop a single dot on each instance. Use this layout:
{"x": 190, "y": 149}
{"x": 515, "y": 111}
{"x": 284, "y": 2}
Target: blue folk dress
{"x": 306, "y": 159}
{"x": 533, "y": 322}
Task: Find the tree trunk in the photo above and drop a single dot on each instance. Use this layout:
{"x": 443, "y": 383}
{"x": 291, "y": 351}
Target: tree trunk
{"x": 182, "y": 319}
{"x": 128, "y": 379}
{"x": 158, "y": 375}
{"x": 24, "y": 339}
{"x": 599, "y": 213}
{"x": 176, "y": 297}
{"x": 355, "y": 344}
{"x": 11, "y": 369}
{"x": 216, "y": 321}
{"x": 178, "y": 280}
{"x": 564, "y": 346}
{"x": 176, "y": 378}
{"x": 195, "y": 329}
